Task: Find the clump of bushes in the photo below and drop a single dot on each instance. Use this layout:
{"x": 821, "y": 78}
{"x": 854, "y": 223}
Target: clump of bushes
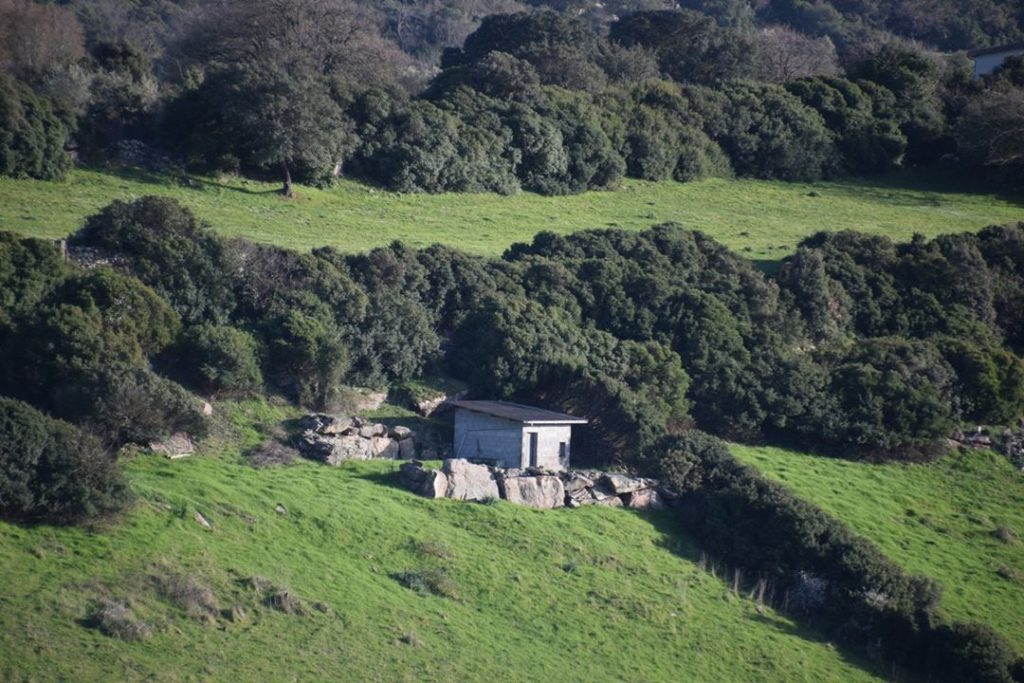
{"x": 51, "y": 471}
{"x": 218, "y": 359}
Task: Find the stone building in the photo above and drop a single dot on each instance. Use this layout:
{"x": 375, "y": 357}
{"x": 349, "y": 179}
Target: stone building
{"x": 512, "y": 435}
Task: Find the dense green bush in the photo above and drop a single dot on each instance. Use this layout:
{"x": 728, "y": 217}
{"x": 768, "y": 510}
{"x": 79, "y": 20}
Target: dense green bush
{"x": 51, "y": 471}
{"x": 891, "y": 395}
{"x": 307, "y": 356}
{"x": 29, "y": 270}
{"x": 218, "y": 358}
{"x": 769, "y": 133}
{"x": 169, "y": 250}
{"x": 32, "y": 134}
{"x": 869, "y": 142}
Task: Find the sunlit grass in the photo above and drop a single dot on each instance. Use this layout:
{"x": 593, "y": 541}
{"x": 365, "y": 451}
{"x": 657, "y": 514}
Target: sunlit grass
{"x": 762, "y": 220}
{"x": 592, "y": 594}
{"x": 959, "y": 521}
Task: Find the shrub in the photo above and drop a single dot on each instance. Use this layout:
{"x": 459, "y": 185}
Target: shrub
{"x": 32, "y": 134}
{"x": 169, "y": 250}
{"x": 219, "y": 358}
{"x": 117, "y": 620}
{"x": 52, "y": 472}
{"x": 769, "y": 133}
{"x": 138, "y": 406}
{"x": 307, "y": 356}
{"x": 29, "y": 270}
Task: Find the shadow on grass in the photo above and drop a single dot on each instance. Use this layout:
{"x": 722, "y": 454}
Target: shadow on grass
{"x": 912, "y": 186}
{"x": 675, "y": 540}
{"x": 176, "y": 179}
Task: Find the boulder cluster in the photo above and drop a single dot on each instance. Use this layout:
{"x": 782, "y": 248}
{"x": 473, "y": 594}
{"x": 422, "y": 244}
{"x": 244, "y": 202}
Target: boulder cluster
{"x": 334, "y": 440}
{"x": 534, "y": 487}
{"x": 1008, "y": 441}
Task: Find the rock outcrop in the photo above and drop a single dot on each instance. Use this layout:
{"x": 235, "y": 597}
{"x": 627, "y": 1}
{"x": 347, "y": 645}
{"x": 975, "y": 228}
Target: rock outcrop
{"x": 177, "y": 445}
{"x": 467, "y": 481}
{"x": 541, "y": 491}
{"x": 537, "y": 488}
{"x": 334, "y": 440}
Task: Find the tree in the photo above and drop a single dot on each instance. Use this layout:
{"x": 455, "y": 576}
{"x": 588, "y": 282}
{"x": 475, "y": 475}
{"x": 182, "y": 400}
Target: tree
{"x": 689, "y": 46}
{"x": 51, "y": 471}
{"x": 783, "y": 54}
{"x": 277, "y": 76}
{"x": 32, "y": 134}
{"x": 990, "y": 132}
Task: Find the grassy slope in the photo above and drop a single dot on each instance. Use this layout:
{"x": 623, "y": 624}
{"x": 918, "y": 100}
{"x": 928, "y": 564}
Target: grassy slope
{"x": 761, "y": 219}
{"x": 593, "y": 594}
{"x": 939, "y": 519}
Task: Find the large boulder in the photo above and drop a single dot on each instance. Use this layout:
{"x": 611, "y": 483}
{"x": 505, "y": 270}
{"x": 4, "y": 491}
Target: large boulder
{"x": 335, "y": 450}
{"x": 467, "y": 481}
{"x": 542, "y": 492}
{"x": 177, "y": 445}
{"x": 385, "y": 448}
{"x": 434, "y": 485}
{"x": 620, "y": 483}
{"x": 400, "y": 432}
{"x": 407, "y": 449}
{"x": 645, "y": 499}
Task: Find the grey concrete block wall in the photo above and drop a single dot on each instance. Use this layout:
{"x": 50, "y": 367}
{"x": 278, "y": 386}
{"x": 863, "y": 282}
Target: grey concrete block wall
{"x": 486, "y": 437}
{"x": 549, "y": 440}
{"x": 507, "y": 442}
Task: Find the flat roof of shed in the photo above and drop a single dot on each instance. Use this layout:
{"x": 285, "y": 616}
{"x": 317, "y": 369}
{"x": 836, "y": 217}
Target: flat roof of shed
{"x": 519, "y": 413}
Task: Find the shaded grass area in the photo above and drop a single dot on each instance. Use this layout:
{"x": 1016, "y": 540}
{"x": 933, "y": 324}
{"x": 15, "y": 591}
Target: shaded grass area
{"x": 359, "y": 580}
{"x": 959, "y": 521}
{"x": 763, "y": 220}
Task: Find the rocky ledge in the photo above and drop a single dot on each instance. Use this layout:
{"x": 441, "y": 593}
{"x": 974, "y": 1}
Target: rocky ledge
{"x": 534, "y": 487}
{"x": 334, "y": 440}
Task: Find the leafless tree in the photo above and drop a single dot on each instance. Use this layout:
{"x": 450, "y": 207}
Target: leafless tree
{"x": 783, "y": 54}
{"x": 991, "y": 131}
{"x": 340, "y": 39}
{"x": 36, "y": 39}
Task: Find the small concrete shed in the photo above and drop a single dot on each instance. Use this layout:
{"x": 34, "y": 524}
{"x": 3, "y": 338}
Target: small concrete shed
{"x": 989, "y": 59}
{"x": 512, "y": 435}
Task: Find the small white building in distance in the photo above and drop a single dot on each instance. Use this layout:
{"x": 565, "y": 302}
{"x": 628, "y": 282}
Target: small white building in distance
{"x": 512, "y": 435}
{"x": 989, "y": 59}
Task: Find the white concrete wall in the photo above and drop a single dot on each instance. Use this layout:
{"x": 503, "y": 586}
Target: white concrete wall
{"x": 548, "y": 439}
{"x": 986, "y": 64}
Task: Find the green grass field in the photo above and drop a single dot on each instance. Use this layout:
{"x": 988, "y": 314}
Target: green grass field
{"x": 763, "y": 220}
{"x": 959, "y": 521}
{"x": 562, "y": 595}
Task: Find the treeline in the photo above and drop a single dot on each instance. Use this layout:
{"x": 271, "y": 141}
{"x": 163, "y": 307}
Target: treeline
{"x": 543, "y": 101}
{"x": 868, "y": 348}
{"x": 820, "y": 571}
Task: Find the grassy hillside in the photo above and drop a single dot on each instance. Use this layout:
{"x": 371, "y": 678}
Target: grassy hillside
{"x": 959, "y": 521}
{"x": 593, "y": 594}
{"x": 761, "y": 219}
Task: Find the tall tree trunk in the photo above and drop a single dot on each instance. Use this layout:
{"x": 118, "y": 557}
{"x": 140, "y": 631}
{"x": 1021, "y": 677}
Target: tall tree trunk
{"x": 287, "y": 190}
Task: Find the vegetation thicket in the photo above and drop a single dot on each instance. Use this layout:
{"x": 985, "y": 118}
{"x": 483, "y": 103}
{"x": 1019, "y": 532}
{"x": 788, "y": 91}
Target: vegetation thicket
{"x": 873, "y": 349}
{"x": 542, "y": 100}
